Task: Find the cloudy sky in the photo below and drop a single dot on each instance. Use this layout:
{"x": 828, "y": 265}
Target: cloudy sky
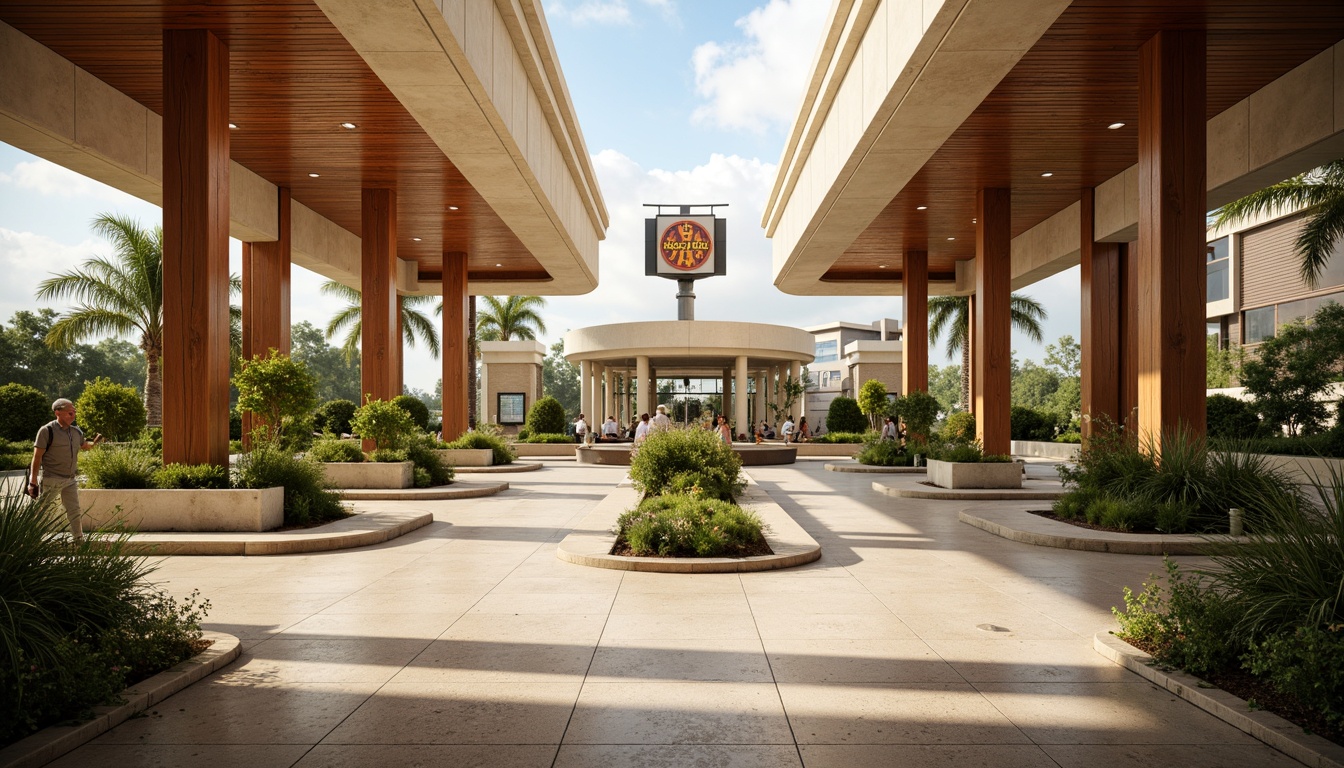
{"x": 697, "y": 109}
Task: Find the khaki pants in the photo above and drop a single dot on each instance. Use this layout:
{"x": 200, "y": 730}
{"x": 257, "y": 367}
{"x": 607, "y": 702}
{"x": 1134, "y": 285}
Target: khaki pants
{"x": 69, "y": 490}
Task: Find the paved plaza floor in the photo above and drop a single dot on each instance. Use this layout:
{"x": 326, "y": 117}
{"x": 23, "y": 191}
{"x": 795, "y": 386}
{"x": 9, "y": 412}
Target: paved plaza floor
{"x": 468, "y": 643}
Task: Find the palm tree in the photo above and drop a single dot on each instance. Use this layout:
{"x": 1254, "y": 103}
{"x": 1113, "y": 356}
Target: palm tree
{"x": 415, "y": 325}
{"x": 514, "y": 318}
{"x": 1320, "y": 194}
{"x": 952, "y": 313}
{"x": 123, "y": 295}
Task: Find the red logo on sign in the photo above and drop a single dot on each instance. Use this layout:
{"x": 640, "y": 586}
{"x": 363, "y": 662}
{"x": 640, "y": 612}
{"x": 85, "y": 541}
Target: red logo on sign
{"x": 685, "y": 245}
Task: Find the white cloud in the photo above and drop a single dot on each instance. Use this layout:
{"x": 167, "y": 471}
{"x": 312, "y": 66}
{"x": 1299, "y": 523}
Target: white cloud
{"x": 51, "y": 180}
{"x": 27, "y": 259}
{"x": 591, "y": 12}
{"x": 757, "y": 82}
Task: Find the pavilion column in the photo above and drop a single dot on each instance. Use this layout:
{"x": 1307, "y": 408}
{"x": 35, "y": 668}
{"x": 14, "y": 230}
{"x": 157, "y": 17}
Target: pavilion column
{"x": 195, "y": 361}
{"x": 741, "y": 418}
{"x": 1100, "y": 322}
{"x": 795, "y": 374}
{"x": 609, "y": 393}
{"x": 726, "y": 386}
{"x": 378, "y": 289}
{"x": 993, "y": 347}
{"x": 760, "y": 402}
{"x": 1171, "y": 272}
{"x": 585, "y": 386}
{"x": 915, "y": 323}
{"x": 456, "y": 354}
{"x": 642, "y": 382}
{"x": 266, "y": 295}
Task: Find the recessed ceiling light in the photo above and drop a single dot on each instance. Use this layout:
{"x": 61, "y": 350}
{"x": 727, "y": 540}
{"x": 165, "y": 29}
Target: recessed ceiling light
{"x": 349, "y": 126}
{"x": 881, "y": 266}
{"x": 314, "y": 175}
{"x": 1047, "y": 175}
{"x": 233, "y": 126}
{"x": 499, "y": 265}
{"x": 921, "y": 207}
{"x": 452, "y": 207}
{"x": 1114, "y": 126}
{"x": 415, "y": 239}
{"x": 951, "y": 238}
{"x": 975, "y": 221}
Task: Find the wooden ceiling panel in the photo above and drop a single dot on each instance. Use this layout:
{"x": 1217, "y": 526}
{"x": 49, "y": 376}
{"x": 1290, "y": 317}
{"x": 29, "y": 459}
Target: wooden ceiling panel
{"x": 1050, "y": 114}
{"x": 293, "y": 79}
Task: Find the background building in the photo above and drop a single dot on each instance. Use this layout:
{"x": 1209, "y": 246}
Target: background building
{"x": 848, "y": 354}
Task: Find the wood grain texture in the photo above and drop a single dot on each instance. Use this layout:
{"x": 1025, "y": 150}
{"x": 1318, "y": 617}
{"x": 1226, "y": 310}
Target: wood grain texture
{"x": 1171, "y": 269}
{"x": 915, "y": 324}
{"x": 454, "y": 346}
{"x": 195, "y": 248}
{"x": 378, "y": 307}
{"x": 1100, "y": 321}
{"x": 294, "y": 80}
{"x": 1130, "y": 326}
{"x": 993, "y": 348}
{"x": 266, "y": 269}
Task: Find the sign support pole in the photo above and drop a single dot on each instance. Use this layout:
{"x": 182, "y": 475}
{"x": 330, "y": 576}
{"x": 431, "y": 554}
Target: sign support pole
{"x": 685, "y": 300}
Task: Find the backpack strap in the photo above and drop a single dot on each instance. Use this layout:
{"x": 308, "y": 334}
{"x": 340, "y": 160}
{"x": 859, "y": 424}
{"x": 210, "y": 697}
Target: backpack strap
{"x": 50, "y": 434}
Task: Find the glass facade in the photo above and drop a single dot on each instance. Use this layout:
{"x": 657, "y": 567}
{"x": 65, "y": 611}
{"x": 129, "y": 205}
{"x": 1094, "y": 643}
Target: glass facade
{"x": 1258, "y": 325}
{"x": 1219, "y": 270}
{"x": 827, "y": 351}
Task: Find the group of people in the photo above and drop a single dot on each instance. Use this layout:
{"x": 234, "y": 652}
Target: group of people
{"x": 791, "y": 432}
{"x": 612, "y": 432}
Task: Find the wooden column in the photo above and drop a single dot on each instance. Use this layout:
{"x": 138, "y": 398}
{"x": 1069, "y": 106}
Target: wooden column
{"x": 915, "y": 323}
{"x": 968, "y": 359}
{"x": 456, "y": 357}
{"x": 266, "y": 295}
{"x": 1100, "y": 323}
{"x": 993, "y": 343}
{"x": 1171, "y": 268}
{"x": 399, "y": 350}
{"x": 195, "y": 248}
{"x": 1130, "y": 325}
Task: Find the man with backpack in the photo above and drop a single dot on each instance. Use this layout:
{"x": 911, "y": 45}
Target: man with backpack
{"x": 56, "y": 453}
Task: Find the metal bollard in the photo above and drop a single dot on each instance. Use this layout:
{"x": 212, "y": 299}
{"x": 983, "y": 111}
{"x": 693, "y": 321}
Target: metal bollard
{"x": 1234, "y": 522}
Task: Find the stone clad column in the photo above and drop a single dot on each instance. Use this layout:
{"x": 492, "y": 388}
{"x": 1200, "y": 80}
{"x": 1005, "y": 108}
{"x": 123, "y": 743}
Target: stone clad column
{"x": 1171, "y": 259}
{"x": 741, "y": 418}
{"x": 760, "y": 403}
{"x": 993, "y": 344}
{"x": 642, "y": 382}
{"x": 378, "y": 287}
{"x": 585, "y": 386}
{"x": 1100, "y": 322}
{"x": 915, "y": 323}
{"x": 609, "y": 396}
{"x": 456, "y": 354}
{"x": 195, "y": 361}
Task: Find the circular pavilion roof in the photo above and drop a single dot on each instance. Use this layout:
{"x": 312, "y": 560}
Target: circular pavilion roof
{"x": 687, "y": 347}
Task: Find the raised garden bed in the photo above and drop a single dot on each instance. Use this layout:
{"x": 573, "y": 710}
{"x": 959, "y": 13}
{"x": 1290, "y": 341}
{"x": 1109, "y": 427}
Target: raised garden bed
{"x": 370, "y": 474}
{"x": 466, "y": 457}
{"x": 958, "y": 474}
{"x": 154, "y": 509}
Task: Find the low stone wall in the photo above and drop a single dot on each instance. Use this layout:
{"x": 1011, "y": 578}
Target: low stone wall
{"x": 466, "y": 457}
{"x": 370, "y": 474}
{"x": 827, "y": 449}
{"x": 956, "y": 474}
{"x": 1304, "y": 470}
{"x": 1040, "y": 449}
{"x": 241, "y": 509}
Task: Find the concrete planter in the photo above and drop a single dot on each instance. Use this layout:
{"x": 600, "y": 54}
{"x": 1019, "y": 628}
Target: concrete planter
{"x": 240, "y": 509}
{"x": 827, "y": 449}
{"x": 466, "y": 457}
{"x": 1304, "y": 470}
{"x": 1046, "y": 450}
{"x": 370, "y": 474}
{"x": 956, "y": 474}
{"x": 532, "y": 450}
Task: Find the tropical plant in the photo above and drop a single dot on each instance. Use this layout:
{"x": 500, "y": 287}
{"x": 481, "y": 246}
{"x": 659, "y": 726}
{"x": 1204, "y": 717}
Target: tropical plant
{"x": 873, "y": 402}
{"x": 516, "y": 317}
{"x": 123, "y": 295}
{"x": 415, "y": 324}
{"x": 1320, "y": 194}
{"x": 844, "y": 415}
{"x": 23, "y": 411}
{"x": 277, "y": 390}
{"x": 951, "y": 314}
{"x": 430, "y": 469}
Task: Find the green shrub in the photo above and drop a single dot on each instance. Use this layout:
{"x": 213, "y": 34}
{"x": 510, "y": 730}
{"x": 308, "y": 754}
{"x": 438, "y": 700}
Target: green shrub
{"x": 844, "y": 416}
{"x": 418, "y": 411}
{"x": 1121, "y": 514}
{"x": 334, "y": 416}
{"x": 842, "y": 437}
{"x": 23, "y": 411}
{"x": 960, "y": 427}
{"x": 1069, "y": 437}
{"x": 547, "y": 416}
{"x": 503, "y": 454}
{"x": 1231, "y": 418}
{"x": 1172, "y": 516}
{"x": 1307, "y": 663}
{"x": 873, "y": 402}
{"x": 151, "y": 440}
{"x": 333, "y": 450}
{"x": 192, "y": 476}
{"x": 279, "y": 391}
{"x": 1030, "y": 424}
{"x": 15, "y": 454}
{"x": 308, "y": 497}
{"x": 235, "y": 424}
{"x": 388, "y": 455}
{"x": 119, "y": 466}
{"x": 686, "y": 458}
{"x": 383, "y": 422}
{"x": 523, "y": 434}
{"x": 883, "y": 453}
{"x": 1184, "y": 624}
{"x": 919, "y": 410}
{"x": 1073, "y": 504}
{"x": 80, "y": 620}
{"x": 547, "y": 438}
{"x": 678, "y": 525}
{"x": 430, "y": 470}
{"x": 111, "y": 409}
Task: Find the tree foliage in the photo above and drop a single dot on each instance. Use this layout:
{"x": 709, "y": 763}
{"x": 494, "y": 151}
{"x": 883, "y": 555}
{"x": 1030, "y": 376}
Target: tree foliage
{"x": 336, "y": 376}
{"x": 415, "y": 324}
{"x": 547, "y": 416}
{"x": 516, "y": 317}
{"x": 951, "y": 315}
{"x": 945, "y": 386}
{"x": 23, "y": 411}
{"x": 277, "y": 389}
{"x": 845, "y": 415}
{"x": 1294, "y": 367}
{"x": 1222, "y": 367}
{"x": 25, "y": 358}
{"x": 560, "y": 379}
{"x": 383, "y": 422}
{"x": 111, "y": 409}
{"x": 418, "y": 411}
{"x": 919, "y": 410}
{"x": 873, "y": 402}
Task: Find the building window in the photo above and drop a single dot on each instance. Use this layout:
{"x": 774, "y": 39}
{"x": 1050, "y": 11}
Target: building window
{"x": 1219, "y": 280}
{"x": 1258, "y": 325}
{"x": 827, "y": 351}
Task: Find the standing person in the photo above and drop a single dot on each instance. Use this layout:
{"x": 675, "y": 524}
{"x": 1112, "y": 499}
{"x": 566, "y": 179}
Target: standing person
{"x": 889, "y": 429}
{"x": 725, "y": 431}
{"x": 642, "y": 431}
{"x": 56, "y": 452}
{"x": 787, "y": 429}
{"x": 661, "y": 420}
{"x": 580, "y": 429}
